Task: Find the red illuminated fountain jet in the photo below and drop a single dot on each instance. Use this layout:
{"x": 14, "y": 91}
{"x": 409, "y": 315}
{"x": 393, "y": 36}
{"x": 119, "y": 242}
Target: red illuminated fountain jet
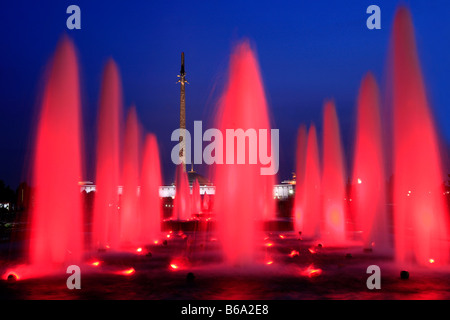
{"x": 182, "y": 207}
{"x": 56, "y": 238}
{"x": 243, "y": 197}
{"x": 299, "y": 209}
{"x": 420, "y": 216}
{"x": 368, "y": 170}
{"x": 106, "y": 213}
{"x": 150, "y": 202}
{"x": 129, "y": 208}
{"x": 312, "y": 188}
{"x": 333, "y": 181}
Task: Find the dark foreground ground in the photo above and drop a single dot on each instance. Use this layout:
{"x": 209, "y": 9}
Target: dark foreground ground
{"x": 342, "y": 274}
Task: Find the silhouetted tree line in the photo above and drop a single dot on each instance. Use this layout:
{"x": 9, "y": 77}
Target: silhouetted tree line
{"x": 6, "y": 193}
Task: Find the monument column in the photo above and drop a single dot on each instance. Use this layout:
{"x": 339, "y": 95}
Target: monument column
{"x": 182, "y": 139}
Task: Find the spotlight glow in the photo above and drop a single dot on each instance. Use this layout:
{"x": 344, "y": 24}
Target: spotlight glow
{"x": 294, "y": 253}
{"x": 312, "y": 272}
{"x": 127, "y": 272}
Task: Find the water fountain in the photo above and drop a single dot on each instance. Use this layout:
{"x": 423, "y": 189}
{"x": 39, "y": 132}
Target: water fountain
{"x": 300, "y": 178}
{"x": 239, "y": 215}
{"x": 369, "y": 194}
{"x": 234, "y": 232}
{"x": 56, "y": 237}
{"x": 333, "y": 177}
{"x": 196, "y": 199}
{"x": 420, "y": 214}
{"x": 150, "y": 201}
{"x": 129, "y": 208}
{"x": 182, "y": 207}
{"x": 312, "y": 217}
{"x": 105, "y": 230}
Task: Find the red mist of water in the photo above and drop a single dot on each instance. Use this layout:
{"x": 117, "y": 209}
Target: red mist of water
{"x": 182, "y": 206}
{"x": 312, "y": 188}
{"x": 368, "y": 169}
{"x": 207, "y": 203}
{"x": 129, "y": 208}
{"x": 420, "y": 217}
{"x": 56, "y": 222}
{"x": 151, "y": 206}
{"x": 300, "y": 178}
{"x": 196, "y": 199}
{"x": 239, "y": 213}
{"x": 333, "y": 180}
{"x": 105, "y": 229}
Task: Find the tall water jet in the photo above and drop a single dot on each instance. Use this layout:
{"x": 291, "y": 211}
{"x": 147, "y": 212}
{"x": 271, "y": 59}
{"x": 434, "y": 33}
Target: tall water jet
{"x": 105, "y": 230}
{"x": 129, "y": 209}
{"x": 56, "y": 224}
{"x": 333, "y": 181}
{"x": 300, "y": 161}
{"x": 420, "y": 217}
{"x": 206, "y": 203}
{"x": 239, "y": 214}
{"x": 151, "y": 204}
{"x": 311, "y": 222}
{"x": 368, "y": 169}
{"x": 182, "y": 207}
{"x": 196, "y": 199}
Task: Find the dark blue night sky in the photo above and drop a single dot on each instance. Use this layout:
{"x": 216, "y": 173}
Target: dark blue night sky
{"x": 308, "y": 51}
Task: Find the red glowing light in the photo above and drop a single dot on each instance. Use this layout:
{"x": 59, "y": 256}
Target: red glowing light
{"x": 431, "y": 261}
{"x": 269, "y": 262}
{"x": 128, "y": 272}
{"x": 269, "y": 244}
{"x": 281, "y": 236}
{"x": 174, "y": 266}
{"x": 14, "y": 274}
{"x": 168, "y": 236}
{"x": 294, "y": 253}
{"x": 312, "y": 272}
{"x": 139, "y": 250}
{"x": 312, "y": 251}
{"x": 156, "y": 242}
{"x": 95, "y": 263}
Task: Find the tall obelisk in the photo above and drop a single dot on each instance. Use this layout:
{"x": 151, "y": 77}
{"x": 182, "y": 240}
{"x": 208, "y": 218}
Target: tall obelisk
{"x": 182, "y": 139}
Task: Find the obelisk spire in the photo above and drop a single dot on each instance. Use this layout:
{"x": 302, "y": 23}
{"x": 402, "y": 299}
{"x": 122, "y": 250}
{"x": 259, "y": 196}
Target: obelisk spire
{"x": 182, "y": 139}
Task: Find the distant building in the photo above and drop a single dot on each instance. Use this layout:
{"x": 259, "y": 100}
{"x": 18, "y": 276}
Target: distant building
{"x": 280, "y": 191}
